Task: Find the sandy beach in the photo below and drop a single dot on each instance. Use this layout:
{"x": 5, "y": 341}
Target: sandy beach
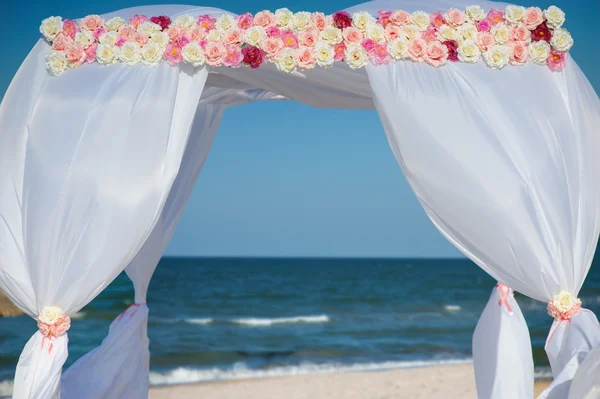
{"x": 448, "y": 382}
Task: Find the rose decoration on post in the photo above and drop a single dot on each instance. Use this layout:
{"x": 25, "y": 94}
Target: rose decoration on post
{"x": 498, "y": 38}
{"x": 52, "y": 323}
{"x": 564, "y": 306}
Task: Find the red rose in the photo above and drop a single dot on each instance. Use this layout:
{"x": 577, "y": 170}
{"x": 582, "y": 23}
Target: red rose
{"x": 452, "y": 47}
{"x": 342, "y": 20}
{"x": 163, "y": 21}
{"x": 541, "y": 33}
{"x": 253, "y": 56}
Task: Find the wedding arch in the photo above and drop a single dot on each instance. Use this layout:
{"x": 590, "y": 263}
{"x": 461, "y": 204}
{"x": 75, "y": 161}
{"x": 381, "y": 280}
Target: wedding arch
{"x": 108, "y": 122}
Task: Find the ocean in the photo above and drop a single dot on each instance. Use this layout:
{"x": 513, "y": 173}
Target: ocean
{"x": 213, "y": 319}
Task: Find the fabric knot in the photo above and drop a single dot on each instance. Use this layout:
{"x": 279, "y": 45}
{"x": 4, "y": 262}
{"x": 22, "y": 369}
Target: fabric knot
{"x": 563, "y": 306}
{"x": 505, "y": 292}
{"x": 52, "y": 322}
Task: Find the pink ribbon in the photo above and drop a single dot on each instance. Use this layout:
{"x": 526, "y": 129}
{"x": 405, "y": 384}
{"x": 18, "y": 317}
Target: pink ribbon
{"x": 505, "y": 292}
{"x": 135, "y": 305}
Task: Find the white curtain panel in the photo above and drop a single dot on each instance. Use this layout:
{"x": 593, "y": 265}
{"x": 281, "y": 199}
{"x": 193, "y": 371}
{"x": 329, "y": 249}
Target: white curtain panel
{"x": 119, "y": 367}
{"x": 586, "y": 383}
{"x": 87, "y": 160}
{"x": 505, "y": 163}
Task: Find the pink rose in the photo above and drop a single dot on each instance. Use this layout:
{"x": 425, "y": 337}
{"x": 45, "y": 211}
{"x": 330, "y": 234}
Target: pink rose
{"x": 61, "y": 326}
{"x": 126, "y": 30}
{"x": 484, "y": 25}
{"x": 92, "y": 22}
{"x": 174, "y": 32}
{"x": 61, "y": 41}
{"x": 318, "y": 20}
{"x": 233, "y": 57}
{"x": 557, "y": 60}
{"x": 273, "y": 31}
{"x": 454, "y": 17}
{"x": 173, "y": 54}
{"x": 272, "y": 46}
{"x": 98, "y": 32}
{"x": 485, "y": 40}
{"x": 203, "y": 44}
{"x": 289, "y": 39}
{"x": 533, "y": 17}
{"x": 368, "y": 44}
{"x": 233, "y": 36}
{"x": 184, "y": 40}
{"x": 245, "y": 21}
{"x": 437, "y": 53}
{"x": 519, "y": 53}
{"x": 306, "y": 58}
{"x": 70, "y": 28}
{"x": 265, "y": 19}
{"x": 400, "y": 17}
{"x": 519, "y": 33}
{"x": 354, "y": 35}
{"x": 393, "y": 32}
{"x": 136, "y": 20}
{"x": 196, "y": 33}
{"x": 121, "y": 40}
{"x": 495, "y": 16}
{"x": 417, "y": 50}
{"x": 215, "y": 52}
{"x": 75, "y": 54}
{"x": 309, "y": 37}
{"x": 384, "y": 17}
{"x": 436, "y": 19}
{"x": 339, "y": 52}
{"x": 140, "y": 38}
{"x": 90, "y": 53}
{"x": 379, "y": 55}
{"x": 430, "y": 34}
{"x": 207, "y": 22}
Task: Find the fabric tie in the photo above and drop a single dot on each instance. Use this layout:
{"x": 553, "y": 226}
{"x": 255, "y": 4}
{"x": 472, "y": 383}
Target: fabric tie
{"x": 505, "y": 292}
{"x": 52, "y": 323}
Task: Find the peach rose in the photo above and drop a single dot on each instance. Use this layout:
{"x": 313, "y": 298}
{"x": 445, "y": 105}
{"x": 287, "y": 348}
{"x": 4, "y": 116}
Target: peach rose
{"x": 265, "y": 19}
{"x": 174, "y": 32}
{"x": 233, "y": 36}
{"x": 518, "y": 53}
{"x": 352, "y": 35}
{"x": 61, "y": 41}
{"x": 519, "y": 33}
{"x": 196, "y": 33}
{"x": 417, "y": 50}
{"x": 400, "y": 17}
{"x": 485, "y": 40}
{"x": 455, "y": 17}
{"x": 126, "y": 31}
{"x": 533, "y": 17}
{"x": 215, "y": 52}
{"x": 60, "y": 327}
{"x": 139, "y": 38}
{"x": 92, "y": 22}
{"x": 272, "y": 46}
{"x": 393, "y": 32}
{"x": 318, "y": 20}
{"x": 437, "y": 53}
{"x": 75, "y": 54}
{"x": 306, "y": 58}
{"x": 309, "y": 37}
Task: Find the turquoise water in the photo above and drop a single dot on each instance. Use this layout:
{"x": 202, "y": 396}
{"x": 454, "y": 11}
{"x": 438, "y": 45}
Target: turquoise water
{"x": 227, "y": 318}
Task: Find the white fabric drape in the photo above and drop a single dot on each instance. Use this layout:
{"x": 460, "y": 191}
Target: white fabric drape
{"x": 505, "y": 164}
{"x": 119, "y": 367}
{"x": 586, "y": 383}
{"x": 87, "y": 161}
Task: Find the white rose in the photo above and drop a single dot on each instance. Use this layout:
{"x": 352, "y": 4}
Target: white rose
{"x": 50, "y": 314}
{"x": 185, "y": 21}
{"x": 497, "y": 57}
{"x": 161, "y": 39}
{"x": 215, "y": 35}
{"x": 284, "y": 18}
{"x": 356, "y": 56}
{"x": 149, "y": 28}
{"x": 51, "y": 27}
{"x": 302, "y": 20}
{"x": 324, "y": 54}
{"x": 411, "y": 31}
{"x": 224, "y": 22}
{"x": 501, "y": 33}
{"x": 398, "y": 48}
{"x": 420, "y": 19}
{"x": 514, "y": 14}
{"x": 539, "y": 52}
{"x": 108, "y": 38}
{"x": 107, "y": 54}
{"x": 561, "y": 40}
{"x": 376, "y": 32}
{"x": 464, "y": 32}
{"x": 468, "y": 51}
{"x": 332, "y": 35}
{"x": 113, "y": 24}
{"x": 56, "y": 62}
{"x": 84, "y": 37}
{"x": 555, "y": 17}
{"x": 193, "y": 54}
{"x": 255, "y": 35}
{"x": 152, "y": 53}
{"x": 564, "y": 301}
{"x": 130, "y": 53}
{"x": 446, "y": 32}
{"x": 475, "y": 13}
{"x": 362, "y": 19}
{"x": 287, "y": 61}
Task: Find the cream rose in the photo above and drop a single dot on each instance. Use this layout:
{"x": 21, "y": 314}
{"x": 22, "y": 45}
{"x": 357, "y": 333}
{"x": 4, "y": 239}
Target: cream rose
{"x": 514, "y": 14}
{"x": 287, "y": 60}
{"x": 446, "y": 32}
{"x": 107, "y": 54}
{"x": 501, "y": 33}
{"x": 332, "y": 35}
{"x": 113, "y": 24}
{"x": 356, "y": 56}
{"x": 51, "y": 27}
{"x": 464, "y": 32}
{"x": 324, "y": 54}
{"x": 475, "y": 13}
{"x": 411, "y": 31}
{"x": 50, "y": 314}
{"x": 161, "y": 39}
{"x": 56, "y": 62}
{"x": 284, "y": 18}
{"x": 301, "y": 20}
{"x": 564, "y": 301}
{"x": 497, "y": 57}
{"x": 108, "y": 38}
{"x": 420, "y": 19}
{"x": 468, "y": 51}
{"x": 185, "y": 21}
{"x": 215, "y": 35}
{"x": 539, "y": 52}
{"x": 149, "y": 28}
{"x": 84, "y": 37}
{"x": 555, "y": 17}
{"x": 362, "y": 19}
{"x": 224, "y": 22}
{"x": 561, "y": 40}
{"x": 255, "y": 35}
{"x": 376, "y": 32}
{"x": 398, "y": 48}
{"x": 193, "y": 54}
{"x": 152, "y": 53}
{"x": 130, "y": 53}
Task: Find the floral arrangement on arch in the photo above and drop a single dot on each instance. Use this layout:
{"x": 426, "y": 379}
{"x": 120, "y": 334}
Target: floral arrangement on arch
{"x": 512, "y": 36}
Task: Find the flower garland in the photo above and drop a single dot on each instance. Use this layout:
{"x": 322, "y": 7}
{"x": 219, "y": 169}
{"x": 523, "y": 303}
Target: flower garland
{"x": 304, "y": 40}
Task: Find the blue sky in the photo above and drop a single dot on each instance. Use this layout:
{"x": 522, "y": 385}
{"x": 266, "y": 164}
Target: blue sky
{"x": 301, "y": 181}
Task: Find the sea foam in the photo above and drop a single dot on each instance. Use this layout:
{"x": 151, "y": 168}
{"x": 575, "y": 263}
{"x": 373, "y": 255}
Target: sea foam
{"x": 263, "y": 322}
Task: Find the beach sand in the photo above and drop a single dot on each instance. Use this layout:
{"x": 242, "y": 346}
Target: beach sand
{"x": 447, "y": 382}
